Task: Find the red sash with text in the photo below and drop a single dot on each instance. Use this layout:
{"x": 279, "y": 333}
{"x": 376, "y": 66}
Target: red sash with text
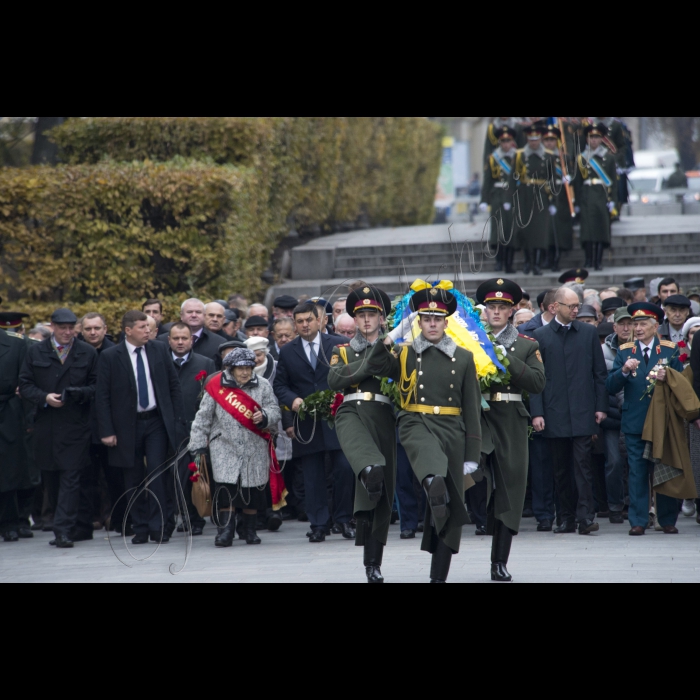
{"x": 241, "y": 408}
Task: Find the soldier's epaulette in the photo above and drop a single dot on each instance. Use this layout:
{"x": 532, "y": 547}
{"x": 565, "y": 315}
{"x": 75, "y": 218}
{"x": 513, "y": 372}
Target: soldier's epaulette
{"x": 669, "y": 344}
{"x": 526, "y": 337}
{"x": 627, "y": 346}
{"x": 14, "y": 335}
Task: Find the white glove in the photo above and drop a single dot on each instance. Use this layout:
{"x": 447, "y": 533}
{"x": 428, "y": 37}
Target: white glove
{"x": 470, "y": 468}
{"x": 553, "y": 210}
{"x": 611, "y": 206}
{"x": 568, "y": 179}
{"x": 507, "y": 206}
{"x": 483, "y": 207}
{"x": 404, "y": 329}
{"x": 503, "y": 350}
{"x": 577, "y": 210}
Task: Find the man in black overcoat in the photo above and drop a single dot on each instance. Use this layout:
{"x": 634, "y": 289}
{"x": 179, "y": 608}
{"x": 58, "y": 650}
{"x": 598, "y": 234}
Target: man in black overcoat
{"x": 189, "y": 367}
{"x": 303, "y": 370}
{"x": 570, "y": 410}
{"x": 140, "y": 415}
{"x": 59, "y": 376}
{"x": 192, "y": 314}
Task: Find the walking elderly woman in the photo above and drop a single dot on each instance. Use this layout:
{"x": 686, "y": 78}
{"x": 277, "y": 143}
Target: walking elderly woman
{"x": 234, "y": 422}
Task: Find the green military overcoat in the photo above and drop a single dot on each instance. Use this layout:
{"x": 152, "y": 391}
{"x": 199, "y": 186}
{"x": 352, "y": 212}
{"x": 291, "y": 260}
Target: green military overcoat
{"x": 561, "y": 225}
{"x": 594, "y": 198}
{"x": 505, "y": 429}
{"x": 441, "y": 375}
{"x": 367, "y": 434}
{"x": 497, "y": 192}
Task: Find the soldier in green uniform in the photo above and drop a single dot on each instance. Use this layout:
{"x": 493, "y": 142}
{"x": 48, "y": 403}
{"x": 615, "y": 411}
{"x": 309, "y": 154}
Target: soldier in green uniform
{"x": 492, "y": 141}
{"x": 533, "y": 165}
{"x": 366, "y": 426}
{"x": 14, "y": 458}
{"x": 504, "y": 427}
{"x": 440, "y": 425}
{"x": 596, "y": 195}
{"x": 497, "y": 196}
{"x": 561, "y": 228}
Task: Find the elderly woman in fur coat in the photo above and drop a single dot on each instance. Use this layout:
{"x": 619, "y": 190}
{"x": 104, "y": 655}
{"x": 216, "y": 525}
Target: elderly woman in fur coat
{"x": 240, "y": 457}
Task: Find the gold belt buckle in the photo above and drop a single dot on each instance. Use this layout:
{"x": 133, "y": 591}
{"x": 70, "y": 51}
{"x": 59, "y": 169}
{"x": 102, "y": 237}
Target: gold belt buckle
{"x": 369, "y": 397}
{"x": 436, "y": 410}
{"x": 499, "y": 398}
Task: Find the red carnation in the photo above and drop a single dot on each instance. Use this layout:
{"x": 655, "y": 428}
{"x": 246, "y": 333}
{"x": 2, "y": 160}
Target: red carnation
{"x": 337, "y": 403}
{"x": 684, "y": 358}
{"x": 682, "y": 344}
{"x": 193, "y": 468}
{"x": 201, "y": 376}
{"x": 194, "y": 478}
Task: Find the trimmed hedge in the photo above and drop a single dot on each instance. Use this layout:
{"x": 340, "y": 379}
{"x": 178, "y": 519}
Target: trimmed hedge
{"x": 106, "y": 232}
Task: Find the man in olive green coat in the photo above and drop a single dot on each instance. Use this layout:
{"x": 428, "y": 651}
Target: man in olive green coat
{"x": 497, "y": 197}
{"x": 596, "y": 195}
{"x": 440, "y": 426}
{"x": 366, "y": 426}
{"x": 504, "y": 427}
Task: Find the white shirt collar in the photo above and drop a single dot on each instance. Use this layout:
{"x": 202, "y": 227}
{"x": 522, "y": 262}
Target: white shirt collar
{"x": 644, "y": 347}
{"x": 184, "y": 359}
{"x": 131, "y": 348}
{"x": 315, "y": 341}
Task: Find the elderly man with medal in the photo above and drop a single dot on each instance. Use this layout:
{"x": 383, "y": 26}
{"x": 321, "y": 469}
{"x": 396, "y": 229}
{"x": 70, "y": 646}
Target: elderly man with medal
{"x": 440, "y": 424}
{"x": 638, "y": 366}
{"x": 366, "y": 426}
{"x": 504, "y": 425}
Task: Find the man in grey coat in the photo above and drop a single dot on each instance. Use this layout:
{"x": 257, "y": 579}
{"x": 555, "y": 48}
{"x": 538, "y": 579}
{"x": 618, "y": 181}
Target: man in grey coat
{"x": 571, "y": 408}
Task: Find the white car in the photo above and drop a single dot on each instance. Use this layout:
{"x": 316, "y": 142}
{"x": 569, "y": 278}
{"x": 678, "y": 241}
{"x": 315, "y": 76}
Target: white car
{"x": 646, "y": 186}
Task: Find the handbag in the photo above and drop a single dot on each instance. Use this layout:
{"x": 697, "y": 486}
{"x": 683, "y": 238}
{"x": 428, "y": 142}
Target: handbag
{"x": 201, "y": 491}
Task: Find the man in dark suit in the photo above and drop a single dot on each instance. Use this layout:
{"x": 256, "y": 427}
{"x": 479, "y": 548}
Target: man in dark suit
{"x": 140, "y": 414}
{"x": 545, "y": 317}
{"x": 192, "y": 315}
{"x": 59, "y": 377}
{"x": 303, "y": 370}
{"x": 189, "y": 367}
{"x": 571, "y": 408}
{"x": 283, "y": 333}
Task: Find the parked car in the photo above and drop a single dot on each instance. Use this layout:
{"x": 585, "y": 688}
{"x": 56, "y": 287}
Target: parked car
{"x": 646, "y": 186}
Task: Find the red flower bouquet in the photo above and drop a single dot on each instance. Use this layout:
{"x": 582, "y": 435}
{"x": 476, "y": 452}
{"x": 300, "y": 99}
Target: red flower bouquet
{"x": 201, "y": 376}
{"x": 684, "y": 358}
{"x": 337, "y": 403}
{"x": 683, "y": 345}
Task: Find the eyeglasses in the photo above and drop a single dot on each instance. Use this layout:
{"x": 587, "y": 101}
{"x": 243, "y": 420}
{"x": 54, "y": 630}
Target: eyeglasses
{"x": 571, "y": 307}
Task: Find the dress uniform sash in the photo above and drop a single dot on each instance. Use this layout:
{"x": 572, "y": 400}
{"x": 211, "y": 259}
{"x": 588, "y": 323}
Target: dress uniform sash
{"x": 600, "y": 172}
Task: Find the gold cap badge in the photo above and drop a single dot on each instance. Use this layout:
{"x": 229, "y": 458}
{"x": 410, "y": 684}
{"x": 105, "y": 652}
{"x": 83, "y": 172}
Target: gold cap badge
{"x": 366, "y": 290}
{"x": 433, "y": 305}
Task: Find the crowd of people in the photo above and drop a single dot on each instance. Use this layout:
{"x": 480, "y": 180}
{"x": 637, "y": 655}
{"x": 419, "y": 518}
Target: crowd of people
{"x": 90, "y": 415}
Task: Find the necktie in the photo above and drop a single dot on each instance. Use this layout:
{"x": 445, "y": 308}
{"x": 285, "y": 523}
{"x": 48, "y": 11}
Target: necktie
{"x": 196, "y": 339}
{"x": 142, "y": 381}
{"x": 180, "y": 361}
{"x": 646, "y": 355}
{"x": 313, "y": 356}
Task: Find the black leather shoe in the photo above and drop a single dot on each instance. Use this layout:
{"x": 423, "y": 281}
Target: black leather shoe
{"x": 372, "y": 479}
{"x": 85, "y": 536}
{"x": 440, "y": 567}
{"x": 251, "y": 536}
{"x": 438, "y": 498}
{"x": 318, "y": 535}
{"x": 480, "y": 532}
{"x": 25, "y": 533}
{"x": 336, "y": 530}
{"x": 617, "y": 519}
{"x": 197, "y": 530}
{"x": 274, "y": 522}
{"x": 347, "y": 531}
{"x": 374, "y": 554}
{"x": 10, "y": 536}
{"x": 52, "y": 543}
{"x": 157, "y": 538}
{"x": 374, "y": 575}
{"x": 545, "y": 526}
{"x": 395, "y": 517}
{"x": 499, "y": 573}
{"x": 64, "y": 543}
{"x": 310, "y": 533}
{"x": 140, "y": 539}
{"x": 408, "y": 535}
{"x": 588, "y": 527}
{"x": 566, "y": 529}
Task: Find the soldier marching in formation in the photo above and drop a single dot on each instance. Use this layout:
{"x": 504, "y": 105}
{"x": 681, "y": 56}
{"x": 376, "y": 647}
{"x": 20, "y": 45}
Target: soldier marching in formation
{"x": 366, "y": 426}
{"x": 492, "y": 138}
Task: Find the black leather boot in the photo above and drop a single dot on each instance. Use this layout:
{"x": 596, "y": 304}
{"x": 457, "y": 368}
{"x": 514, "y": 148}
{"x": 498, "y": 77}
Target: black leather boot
{"x": 537, "y": 267}
{"x": 227, "y": 533}
{"x": 527, "y": 268}
{"x": 372, "y": 479}
{"x": 374, "y": 553}
{"x": 599, "y": 252}
{"x": 556, "y": 266}
{"x": 500, "y": 258}
{"x": 510, "y": 261}
{"x": 588, "y": 247}
{"x": 251, "y": 536}
{"x": 550, "y": 257}
{"x": 442, "y": 559}
{"x": 438, "y": 497}
{"x": 500, "y": 553}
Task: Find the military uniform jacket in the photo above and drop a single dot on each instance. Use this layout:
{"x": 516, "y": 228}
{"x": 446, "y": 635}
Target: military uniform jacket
{"x": 492, "y": 142}
{"x": 62, "y": 435}
{"x": 497, "y": 191}
{"x": 561, "y": 230}
{"x": 593, "y": 198}
{"x": 636, "y": 406}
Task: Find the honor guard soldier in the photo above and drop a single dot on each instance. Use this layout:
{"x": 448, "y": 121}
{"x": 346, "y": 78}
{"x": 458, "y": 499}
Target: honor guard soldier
{"x": 492, "y": 140}
{"x": 574, "y": 277}
{"x": 533, "y": 168}
{"x": 440, "y": 425}
{"x": 366, "y": 426}
{"x": 497, "y": 195}
{"x": 561, "y": 228}
{"x": 636, "y": 363}
{"x": 596, "y": 195}
{"x": 504, "y": 426}
{"x": 14, "y": 463}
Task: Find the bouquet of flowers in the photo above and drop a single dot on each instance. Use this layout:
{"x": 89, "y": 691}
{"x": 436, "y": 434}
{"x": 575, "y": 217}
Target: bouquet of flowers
{"x": 201, "y": 378}
{"x": 653, "y": 377}
{"x": 323, "y": 405}
{"x": 488, "y": 381}
{"x": 196, "y": 475}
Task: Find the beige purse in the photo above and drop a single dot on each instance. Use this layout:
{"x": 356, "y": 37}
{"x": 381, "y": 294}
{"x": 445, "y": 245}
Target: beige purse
{"x": 201, "y": 491}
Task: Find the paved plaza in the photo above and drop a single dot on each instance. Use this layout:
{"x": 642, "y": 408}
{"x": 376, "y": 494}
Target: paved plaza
{"x": 610, "y": 556}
